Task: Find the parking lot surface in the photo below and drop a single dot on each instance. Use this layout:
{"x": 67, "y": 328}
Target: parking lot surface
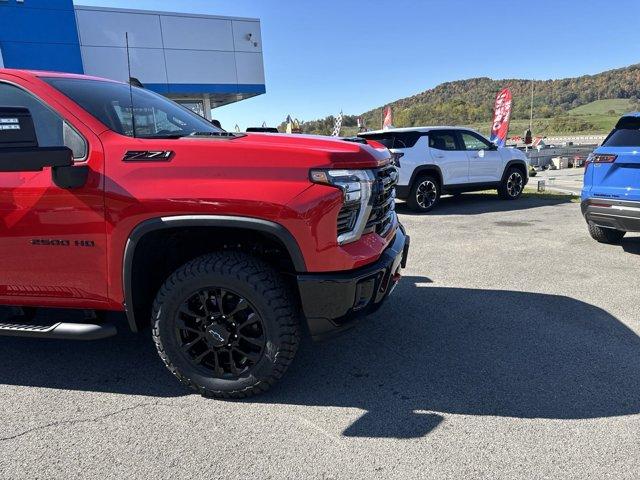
{"x": 568, "y": 180}
{"x": 511, "y": 349}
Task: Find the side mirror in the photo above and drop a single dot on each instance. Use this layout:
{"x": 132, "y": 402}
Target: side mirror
{"x": 70, "y": 176}
{"x": 19, "y": 151}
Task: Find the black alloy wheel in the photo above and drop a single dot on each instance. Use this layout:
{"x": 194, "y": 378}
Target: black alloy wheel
{"x": 220, "y": 331}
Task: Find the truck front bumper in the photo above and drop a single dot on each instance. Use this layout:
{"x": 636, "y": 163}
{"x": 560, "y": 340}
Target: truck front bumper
{"x": 609, "y": 213}
{"x": 331, "y": 302}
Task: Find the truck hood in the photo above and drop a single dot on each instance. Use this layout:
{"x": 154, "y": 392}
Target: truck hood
{"x": 230, "y": 175}
{"x": 259, "y": 150}
{"x": 339, "y": 152}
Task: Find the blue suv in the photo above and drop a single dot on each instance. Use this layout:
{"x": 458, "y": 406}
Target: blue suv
{"x": 611, "y": 193}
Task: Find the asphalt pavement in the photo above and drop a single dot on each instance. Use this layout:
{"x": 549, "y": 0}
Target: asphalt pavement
{"x": 567, "y": 180}
{"x": 510, "y": 350}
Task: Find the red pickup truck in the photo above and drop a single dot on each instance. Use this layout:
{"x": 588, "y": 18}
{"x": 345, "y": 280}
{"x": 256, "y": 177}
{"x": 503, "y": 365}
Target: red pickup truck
{"x": 114, "y": 198}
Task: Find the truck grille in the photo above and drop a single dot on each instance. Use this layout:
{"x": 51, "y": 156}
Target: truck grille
{"x": 383, "y": 200}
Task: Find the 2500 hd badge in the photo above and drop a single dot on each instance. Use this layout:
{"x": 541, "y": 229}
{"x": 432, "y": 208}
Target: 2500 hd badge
{"x": 62, "y": 243}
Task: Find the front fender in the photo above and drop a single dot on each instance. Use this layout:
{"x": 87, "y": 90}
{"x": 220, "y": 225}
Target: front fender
{"x": 186, "y": 221}
{"x": 517, "y": 162}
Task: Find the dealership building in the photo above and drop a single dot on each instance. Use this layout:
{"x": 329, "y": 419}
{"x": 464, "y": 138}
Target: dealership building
{"x": 201, "y": 61}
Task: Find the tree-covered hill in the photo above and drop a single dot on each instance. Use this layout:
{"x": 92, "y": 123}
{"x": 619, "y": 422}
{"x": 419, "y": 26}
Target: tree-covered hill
{"x": 470, "y": 102}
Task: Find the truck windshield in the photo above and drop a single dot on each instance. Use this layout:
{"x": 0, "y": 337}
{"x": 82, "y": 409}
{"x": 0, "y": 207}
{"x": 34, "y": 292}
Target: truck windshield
{"x": 154, "y": 115}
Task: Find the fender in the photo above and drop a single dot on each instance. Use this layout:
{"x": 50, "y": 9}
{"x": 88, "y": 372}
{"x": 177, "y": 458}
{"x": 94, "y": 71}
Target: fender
{"x": 161, "y": 223}
{"x": 519, "y": 162}
{"x": 426, "y": 168}
{"x": 402, "y": 191}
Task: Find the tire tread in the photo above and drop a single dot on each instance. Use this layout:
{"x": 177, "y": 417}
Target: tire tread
{"x": 606, "y": 235}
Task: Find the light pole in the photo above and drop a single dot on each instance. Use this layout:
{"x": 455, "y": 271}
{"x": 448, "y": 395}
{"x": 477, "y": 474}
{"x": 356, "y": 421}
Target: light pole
{"x": 531, "y": 111}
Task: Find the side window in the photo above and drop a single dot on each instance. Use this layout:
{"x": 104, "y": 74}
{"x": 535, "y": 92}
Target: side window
{"x": 472, "y": 141}
{"x": 386, "y": 139}
{"x": 395, "y": 139}
{"x": 51, "y": 129}
{"x": 442, "y": 140}
{"x": 406, "y": 139}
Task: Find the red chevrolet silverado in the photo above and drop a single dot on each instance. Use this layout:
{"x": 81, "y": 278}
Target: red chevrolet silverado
{"x": 114, "y": 198}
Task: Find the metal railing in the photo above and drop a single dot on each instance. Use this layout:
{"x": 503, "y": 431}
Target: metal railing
{"x": 576, "y": 154}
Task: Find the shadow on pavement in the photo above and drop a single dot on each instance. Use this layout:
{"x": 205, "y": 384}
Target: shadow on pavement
{"x": 432, "y": 351}
{"x": 428, "y": 352}
{"x": 126, "y": 364}
{"x": 476, "y": 203}
{"x": 631, "y": 245}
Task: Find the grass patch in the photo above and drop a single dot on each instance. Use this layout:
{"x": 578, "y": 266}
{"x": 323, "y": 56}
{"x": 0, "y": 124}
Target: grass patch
{"x": 550, "y": 195}
{"x": 603, "y": 107}
{"x": 534, "y": 193}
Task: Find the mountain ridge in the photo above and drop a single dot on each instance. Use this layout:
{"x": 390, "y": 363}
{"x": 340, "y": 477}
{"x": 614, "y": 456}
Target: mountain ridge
{"x": 470, "y": 102}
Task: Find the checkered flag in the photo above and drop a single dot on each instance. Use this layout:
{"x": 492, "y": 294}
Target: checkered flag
{"x": 338, "y": 126}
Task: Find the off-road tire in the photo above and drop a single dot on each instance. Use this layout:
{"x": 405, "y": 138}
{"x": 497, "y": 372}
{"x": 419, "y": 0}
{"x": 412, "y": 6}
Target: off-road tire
{"x": 258, "y": 283}
{"x": 606, "y": 235}
{"x": 425, "y": 194}
{"x": 512, "y": 184}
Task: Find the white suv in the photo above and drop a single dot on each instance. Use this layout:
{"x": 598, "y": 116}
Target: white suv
{"x": 440, "y": 160}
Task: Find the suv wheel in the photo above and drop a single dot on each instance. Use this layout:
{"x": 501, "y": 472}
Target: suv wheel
{"x": 225, "y": 325}
{"x": 606, "y": 235}
{"x": 425, "y": 194}
{"x": 512, "y": 185}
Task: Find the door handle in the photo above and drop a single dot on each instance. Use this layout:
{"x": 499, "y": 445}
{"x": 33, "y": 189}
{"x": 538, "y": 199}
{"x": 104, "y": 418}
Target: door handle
{"x": 439, "y": 155}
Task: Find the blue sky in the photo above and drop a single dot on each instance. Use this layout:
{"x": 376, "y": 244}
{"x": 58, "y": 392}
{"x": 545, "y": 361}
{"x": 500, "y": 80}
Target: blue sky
{"x": 325, "y": 56}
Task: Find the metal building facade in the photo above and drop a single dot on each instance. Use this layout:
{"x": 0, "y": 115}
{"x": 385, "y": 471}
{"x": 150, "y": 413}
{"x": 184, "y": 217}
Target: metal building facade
{"x": 203, "y": 61}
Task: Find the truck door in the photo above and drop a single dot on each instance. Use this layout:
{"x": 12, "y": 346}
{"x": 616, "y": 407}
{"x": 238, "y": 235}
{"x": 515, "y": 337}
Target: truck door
{"x": 52, "y": 239}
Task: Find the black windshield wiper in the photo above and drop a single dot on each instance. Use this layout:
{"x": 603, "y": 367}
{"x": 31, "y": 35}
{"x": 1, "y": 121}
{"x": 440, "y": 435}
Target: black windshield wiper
{"x": 192, "y": 134}
{"x": 212, "y": 134}
{"x": 167, "y": 136}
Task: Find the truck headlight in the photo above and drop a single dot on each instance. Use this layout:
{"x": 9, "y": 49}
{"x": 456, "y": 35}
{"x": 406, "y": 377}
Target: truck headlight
{"x": 356, "y": 186}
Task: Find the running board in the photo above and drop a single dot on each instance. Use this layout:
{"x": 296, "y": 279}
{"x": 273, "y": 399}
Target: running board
{"x": 59, "y": 331}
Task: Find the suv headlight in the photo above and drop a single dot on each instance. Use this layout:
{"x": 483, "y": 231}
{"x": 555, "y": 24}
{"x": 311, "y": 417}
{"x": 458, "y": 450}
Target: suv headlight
{"x": 356, "y": 186}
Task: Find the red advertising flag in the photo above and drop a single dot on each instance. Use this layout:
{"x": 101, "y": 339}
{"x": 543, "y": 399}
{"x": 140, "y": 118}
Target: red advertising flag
{"x": 501, "y": 117}
{"x": 387, "y": 121}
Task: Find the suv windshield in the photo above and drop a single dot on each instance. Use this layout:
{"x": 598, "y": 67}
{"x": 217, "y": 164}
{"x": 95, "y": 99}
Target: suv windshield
{"x": 155, "y": 115}
{"x": 626, "y": 133}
